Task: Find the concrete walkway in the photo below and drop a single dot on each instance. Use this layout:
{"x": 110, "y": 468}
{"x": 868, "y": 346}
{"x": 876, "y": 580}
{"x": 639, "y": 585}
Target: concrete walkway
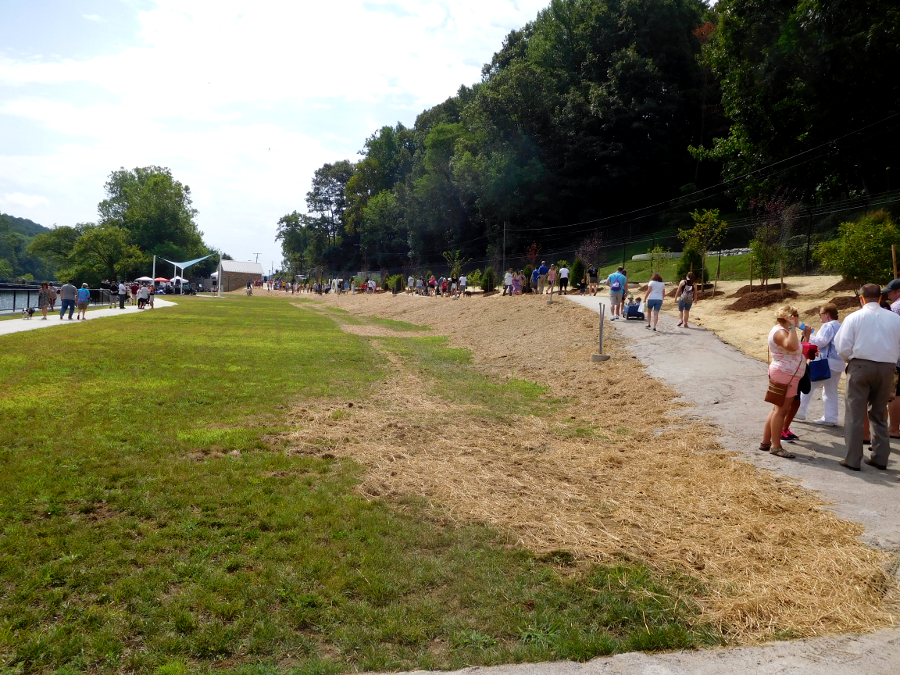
{"x": 20, "y": 325}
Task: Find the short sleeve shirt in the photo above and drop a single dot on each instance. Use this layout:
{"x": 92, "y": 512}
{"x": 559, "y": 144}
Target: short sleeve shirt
{"x": 617, "y": 276}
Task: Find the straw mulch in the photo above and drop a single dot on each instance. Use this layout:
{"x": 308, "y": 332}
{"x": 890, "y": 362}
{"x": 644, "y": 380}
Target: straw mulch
{"x": 652, "y": 484}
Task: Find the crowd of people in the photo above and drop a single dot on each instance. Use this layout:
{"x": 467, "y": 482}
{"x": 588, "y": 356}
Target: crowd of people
{"x": 804, "y": 361}
{"x": 75, "y": 300}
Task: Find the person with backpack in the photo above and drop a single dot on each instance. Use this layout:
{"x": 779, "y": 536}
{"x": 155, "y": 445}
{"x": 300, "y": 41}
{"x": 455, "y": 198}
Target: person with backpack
{"x": 685, "y": 294}
{"x": 592, "y": 279}
{"x": 618, "y": 282}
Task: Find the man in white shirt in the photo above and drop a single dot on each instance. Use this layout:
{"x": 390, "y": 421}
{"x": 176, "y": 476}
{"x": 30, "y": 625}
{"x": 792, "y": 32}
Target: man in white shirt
{"x": 123, "y": 294}
{"x": 462, "y": 284}
{"x": 564, "y": 280}
{"x": 869, "y": 341}
{"x": 507, "y": 282}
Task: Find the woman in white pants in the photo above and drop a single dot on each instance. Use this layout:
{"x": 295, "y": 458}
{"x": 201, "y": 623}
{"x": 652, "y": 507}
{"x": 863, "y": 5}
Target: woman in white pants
{"x": 824, "y": 340}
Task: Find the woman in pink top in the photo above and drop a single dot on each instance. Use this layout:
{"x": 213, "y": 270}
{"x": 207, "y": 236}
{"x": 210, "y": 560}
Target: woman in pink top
{"x": 787, "y": 367}
{"x": 551, "y": 278}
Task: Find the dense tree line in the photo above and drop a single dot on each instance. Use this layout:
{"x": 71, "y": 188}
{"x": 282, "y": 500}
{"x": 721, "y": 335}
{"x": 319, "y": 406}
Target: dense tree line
{"x": 146, "y": 212}
{"x": 599, "y": 109}
{"x": 15, "y": 258}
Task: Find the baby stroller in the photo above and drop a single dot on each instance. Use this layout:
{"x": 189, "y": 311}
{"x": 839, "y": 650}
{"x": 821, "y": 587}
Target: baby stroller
{"x": 633, "y": 312}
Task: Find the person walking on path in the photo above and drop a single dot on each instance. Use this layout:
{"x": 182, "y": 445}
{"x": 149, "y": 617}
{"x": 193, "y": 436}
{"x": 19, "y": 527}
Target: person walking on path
{"x": 592, "y": 279}
{"x": 551, "y": 279}
{"x": 508, "y": 282}
{"x": 685, "y": 295}
{"x": 123, "y": 294}
{"x": 786, "y": 369}
{"x": 653, "y": 299}
{"x": 618, "y": 282}
{"x": 869, "y": 341}
{"x": 83, "y": 299}
{"x": 543, "y": 271}
{"x": 823, "y": 339}
{"x": 893, "y": 296}
{"x": 52, "y": 297}
{"x": 44, "y": 302}
{"x": 535, "y": 280}
{"x": 564, "y": 280}
{"x": 68, "y": 293}
{"x": 113, "y": 293}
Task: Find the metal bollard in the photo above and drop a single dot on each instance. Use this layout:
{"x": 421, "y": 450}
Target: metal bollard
{"x": 600, "y": 357}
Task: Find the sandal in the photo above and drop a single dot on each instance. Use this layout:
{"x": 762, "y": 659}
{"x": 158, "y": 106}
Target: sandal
{"x": 765, "y": 447}
{"x": 781, "y": 452}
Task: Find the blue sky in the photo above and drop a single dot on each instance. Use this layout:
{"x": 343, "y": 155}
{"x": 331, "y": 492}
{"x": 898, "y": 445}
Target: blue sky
{"x": 241, "y": 99}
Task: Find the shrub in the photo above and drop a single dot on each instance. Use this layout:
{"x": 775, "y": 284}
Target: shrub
{"x": 576, "y": 274}
{"x": 474, "y": 278}
{"x": 862, "y": 252}
{"x": 488, "y": 280}
{"x": 527, "y": 272}
{"x": 691, "y": 256}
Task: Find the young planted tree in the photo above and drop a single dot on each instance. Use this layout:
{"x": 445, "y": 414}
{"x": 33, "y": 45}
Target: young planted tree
{"x": 591, "y": 249}
{"x": 862, "y": 252}
{"x": 707, "y": 232}
{"x": 658, "y": 257}
{"x": 455, "y": 262}
{"x": 775, "y": 218}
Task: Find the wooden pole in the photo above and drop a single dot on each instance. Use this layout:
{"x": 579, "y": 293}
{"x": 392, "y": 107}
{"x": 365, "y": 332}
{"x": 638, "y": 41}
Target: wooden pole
{"x": 751, "y": 275}
{"x": 718, "y": 268}
{"x": 781, "y": 266}
{"x": 894, "y": 256}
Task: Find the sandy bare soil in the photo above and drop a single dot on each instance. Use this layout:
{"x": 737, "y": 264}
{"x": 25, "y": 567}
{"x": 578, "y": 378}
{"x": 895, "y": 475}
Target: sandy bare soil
{"x": 748, "y": 330}
{"x": 648, "y": 482}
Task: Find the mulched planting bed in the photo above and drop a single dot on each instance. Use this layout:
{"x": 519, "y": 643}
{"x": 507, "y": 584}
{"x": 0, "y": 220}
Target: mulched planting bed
{"x": 844, "y": 286}
{"x": 756, "y": 288}
{"x": 845, "y": 302}
{"x": 755, "y": 300}
{"x": 706, "y": 295}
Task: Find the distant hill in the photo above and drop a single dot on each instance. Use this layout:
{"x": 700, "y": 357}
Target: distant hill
{"x": 29, "y": 228}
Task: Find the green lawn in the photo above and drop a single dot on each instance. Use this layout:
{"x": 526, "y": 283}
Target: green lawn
{"x": 734, "y": 268}
{"x": 150, "y": 524}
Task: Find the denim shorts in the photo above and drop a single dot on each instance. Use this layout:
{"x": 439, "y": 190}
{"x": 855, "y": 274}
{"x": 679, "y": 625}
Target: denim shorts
{"x": 654, "y": 305}
{"x": 684, "y": 306}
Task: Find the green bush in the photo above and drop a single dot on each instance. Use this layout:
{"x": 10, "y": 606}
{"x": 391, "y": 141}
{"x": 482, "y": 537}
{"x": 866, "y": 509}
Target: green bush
{"x": 397, "y": 283}
{"x": 528, "y": 270}
{"x": 576, "y": 274}
{"x": 473, "y": 278}
{"x": 691, "y": 256}
{"x": 862, "y": 252}
{"x": 488, "y": 280}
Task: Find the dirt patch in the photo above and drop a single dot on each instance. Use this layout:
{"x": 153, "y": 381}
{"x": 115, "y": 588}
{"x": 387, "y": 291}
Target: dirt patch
{"x": 705, "y": 295}
{"x": 380, "y": 331}
{"x": 845, "y": 302}
{"x": 759, "y": 299}
{"x": 644, "y": 483}
{"x": 842, "y": 286}
{"x": 757, "y": 288}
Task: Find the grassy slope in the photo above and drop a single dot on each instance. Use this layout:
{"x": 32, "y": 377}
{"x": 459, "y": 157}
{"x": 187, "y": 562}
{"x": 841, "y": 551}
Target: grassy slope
{"x": 131, "y": 538}
{"x": 733, "y": 268}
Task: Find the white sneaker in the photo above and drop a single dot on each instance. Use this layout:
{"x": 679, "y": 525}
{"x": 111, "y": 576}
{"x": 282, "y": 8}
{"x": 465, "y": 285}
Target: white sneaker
{"x": 822, "y": 423}
{"x": 800, "y": 417}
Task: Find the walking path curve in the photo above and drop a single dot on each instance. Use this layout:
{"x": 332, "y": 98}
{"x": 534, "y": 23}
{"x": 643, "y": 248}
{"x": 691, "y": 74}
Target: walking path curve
{"x": 20, "y": 325}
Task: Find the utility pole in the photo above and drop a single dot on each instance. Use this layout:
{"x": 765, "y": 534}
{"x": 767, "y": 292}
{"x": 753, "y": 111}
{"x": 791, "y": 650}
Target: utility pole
{"x": 257, "y": 256}
{"x": 503, "y": 271}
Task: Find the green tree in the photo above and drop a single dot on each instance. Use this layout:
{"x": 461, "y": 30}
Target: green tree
{"x": 105, "y": 251}
{"x": 155, "y": 209}
{"x": 775, "y": 218}
{"x": 796, "y": 77}
{"x": 707, "y": 232}
{"x": 861, "y": 253}
{"x": 658, "y": 257}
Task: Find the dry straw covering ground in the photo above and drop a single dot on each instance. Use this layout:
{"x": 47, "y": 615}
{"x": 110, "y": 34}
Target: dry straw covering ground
{"x": 620, "y": 468}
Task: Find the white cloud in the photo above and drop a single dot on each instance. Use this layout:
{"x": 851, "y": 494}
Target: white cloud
{"x": 92, "y": 17}
{"x": 208, "y": 86}
{"x": 17, "y": 199}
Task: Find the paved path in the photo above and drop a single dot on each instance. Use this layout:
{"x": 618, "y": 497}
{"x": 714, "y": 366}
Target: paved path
{"x": 19, "y": 325}
{"x": 727, "y": 387}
